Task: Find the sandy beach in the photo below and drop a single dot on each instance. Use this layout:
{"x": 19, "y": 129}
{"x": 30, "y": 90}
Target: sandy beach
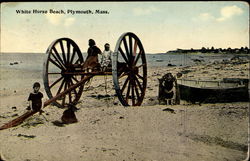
{"x": 107, "y": 131}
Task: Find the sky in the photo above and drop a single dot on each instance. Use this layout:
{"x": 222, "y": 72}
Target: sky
{"x": 161, "y": 26}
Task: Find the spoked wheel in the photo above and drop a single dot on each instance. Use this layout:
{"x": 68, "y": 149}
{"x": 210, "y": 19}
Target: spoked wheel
{"x": 129, "y": 70}
{"x": 63, "y": 59}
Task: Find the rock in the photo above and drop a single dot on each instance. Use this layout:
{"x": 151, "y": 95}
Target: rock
{"x": 235, "y": 58}
{"x": 225, "y": 61}
{"x": 169, "y": 110}
{"x": 15, "y": 63}
{"x": 100, "y": 96}
{"x": 107, "y": 95}
{"x": 185, "y": 71}
{"x": 26, "y": 136}
{"x": 14, "y": 115}
{"x": 171, "y": 65}
{"x": 4, "y": 118}
{"x": 121, "y": 117}
{"x": 159, "y": 60}
{"x": 95, "y": 121}
{"x": 58, "y": 123}
{"x": 216, "y": 62}
{"x": 198, "y": 60}
{"x": 32, "y": 122}
{"x": 14, "y": 107}
{"x": 93, "y": 96}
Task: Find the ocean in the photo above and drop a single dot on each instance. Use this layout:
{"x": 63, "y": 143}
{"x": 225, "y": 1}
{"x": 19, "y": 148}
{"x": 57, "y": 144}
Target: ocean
{"x": 34, "y": 61}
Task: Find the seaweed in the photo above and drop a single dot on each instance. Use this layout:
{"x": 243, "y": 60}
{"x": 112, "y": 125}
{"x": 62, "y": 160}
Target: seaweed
{"x": 26, "y": 136}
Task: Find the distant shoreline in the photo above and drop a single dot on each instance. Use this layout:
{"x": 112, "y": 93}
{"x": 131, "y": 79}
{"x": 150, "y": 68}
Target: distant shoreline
{"x": 199, "y": 53}
{"x": 212, "y": 50}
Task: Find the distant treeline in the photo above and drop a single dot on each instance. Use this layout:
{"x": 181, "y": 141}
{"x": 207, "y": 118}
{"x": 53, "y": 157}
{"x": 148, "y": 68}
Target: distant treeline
{"x": 242, "y": 50}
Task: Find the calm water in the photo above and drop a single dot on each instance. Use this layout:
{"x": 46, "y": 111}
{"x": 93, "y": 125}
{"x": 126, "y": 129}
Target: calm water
{"x": 34, "y": 61}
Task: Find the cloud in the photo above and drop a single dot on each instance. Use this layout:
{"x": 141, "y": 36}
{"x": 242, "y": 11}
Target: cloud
{"x": 54, "y": 19}
{"x": 228, "y": 12}
{"x": 225, "y": 14}
{"x": 145, "y": 11}
{"x": 69, "y": 21}
{"x": 205, "y": 17}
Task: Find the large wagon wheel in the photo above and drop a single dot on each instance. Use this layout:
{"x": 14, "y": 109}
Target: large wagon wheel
{"x": 129, "y": 70}
{"x": 63, "y": 57}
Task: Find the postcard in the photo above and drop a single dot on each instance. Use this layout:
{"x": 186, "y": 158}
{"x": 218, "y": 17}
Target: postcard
{"x": 127, "y": 81}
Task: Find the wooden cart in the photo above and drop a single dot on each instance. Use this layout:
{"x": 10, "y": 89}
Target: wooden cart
{"x": 129, "y": 71}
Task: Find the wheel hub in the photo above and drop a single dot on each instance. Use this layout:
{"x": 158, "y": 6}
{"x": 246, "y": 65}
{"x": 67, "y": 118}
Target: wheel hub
{"x": 68, "y": 72}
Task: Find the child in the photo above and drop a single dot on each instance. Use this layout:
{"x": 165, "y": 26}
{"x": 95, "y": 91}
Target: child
{"x": 69, "y": 116}
{"x": 35, "y": 99}
{"x": 106, "y": 57}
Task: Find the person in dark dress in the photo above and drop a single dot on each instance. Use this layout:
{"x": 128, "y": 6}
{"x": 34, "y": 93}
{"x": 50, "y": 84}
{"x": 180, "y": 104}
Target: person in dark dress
{"x": 92, "y": 58}
{"x": 168, "y": 93}
{"x": 35, "y": 99}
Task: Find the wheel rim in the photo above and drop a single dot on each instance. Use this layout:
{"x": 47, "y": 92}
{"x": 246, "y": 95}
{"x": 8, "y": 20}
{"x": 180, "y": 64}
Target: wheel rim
{"x": 129, "y": 70}
{"x": 63, "y": 56}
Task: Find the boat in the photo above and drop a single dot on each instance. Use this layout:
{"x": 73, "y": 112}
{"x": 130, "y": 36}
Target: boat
{"x": 212, "y": 91}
